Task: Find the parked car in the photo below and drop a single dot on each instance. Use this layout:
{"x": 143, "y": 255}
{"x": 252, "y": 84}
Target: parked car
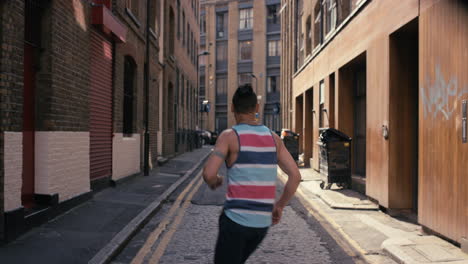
{"x": 205, "y": 136}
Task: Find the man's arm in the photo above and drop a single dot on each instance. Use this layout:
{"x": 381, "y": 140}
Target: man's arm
{"x": 215, "y": 161}
{"x": 289, "y": 166}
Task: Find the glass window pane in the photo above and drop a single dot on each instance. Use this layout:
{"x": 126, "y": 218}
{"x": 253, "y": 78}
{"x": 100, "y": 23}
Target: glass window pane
{"x": 221, "y": 52}
{"x": 245, "y": 78}
{"x": 245, "y": 50}
{"x": 245, "y": 18}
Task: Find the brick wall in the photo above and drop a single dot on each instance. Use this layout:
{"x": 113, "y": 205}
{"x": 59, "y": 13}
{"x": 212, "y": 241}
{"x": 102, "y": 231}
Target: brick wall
{"x": 2, "y": 187}
{"x": 63, "y": 80}
{"x": 135, "y": 47}
{"x": 126, "y": 155}
{"x": 181, "y": 61}
{"x": 11, "y": 81}
{"x": 1, "y": 132}
{"x": 11, "y": 65}
{"x": 13, "y": 168}
{"x": 63, "y": 165}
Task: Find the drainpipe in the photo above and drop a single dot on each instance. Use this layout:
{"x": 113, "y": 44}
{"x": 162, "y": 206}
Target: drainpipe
{"x": 147, "y": 74}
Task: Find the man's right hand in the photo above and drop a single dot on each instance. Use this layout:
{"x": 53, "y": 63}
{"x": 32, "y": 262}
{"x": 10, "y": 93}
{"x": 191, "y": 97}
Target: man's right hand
{"x": 219, "y": 182}
{"x": 277, "y": 214}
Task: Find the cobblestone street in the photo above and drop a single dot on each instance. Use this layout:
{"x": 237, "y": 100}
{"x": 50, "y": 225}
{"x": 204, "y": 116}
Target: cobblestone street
{"x": 295, "y": 240}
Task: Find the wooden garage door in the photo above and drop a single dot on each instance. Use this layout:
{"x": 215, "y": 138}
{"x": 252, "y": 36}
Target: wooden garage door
{"x": 100, "y": 105}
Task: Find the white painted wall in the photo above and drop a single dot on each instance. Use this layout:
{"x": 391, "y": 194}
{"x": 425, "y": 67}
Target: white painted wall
{"x": 125, "y": 155}
{"x": 13, "y": 165}
{"x": 62, "y": 163}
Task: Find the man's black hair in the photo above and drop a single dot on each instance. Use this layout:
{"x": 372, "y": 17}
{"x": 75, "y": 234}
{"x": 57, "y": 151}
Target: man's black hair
{"x": 244, "y": 99}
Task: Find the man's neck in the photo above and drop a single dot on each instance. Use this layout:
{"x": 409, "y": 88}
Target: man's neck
{"x": 246, "y": 119}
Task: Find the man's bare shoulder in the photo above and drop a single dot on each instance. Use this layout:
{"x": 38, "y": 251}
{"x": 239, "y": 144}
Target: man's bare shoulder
{"x": 227, "y": 136}
{"x": 277, "y": 138}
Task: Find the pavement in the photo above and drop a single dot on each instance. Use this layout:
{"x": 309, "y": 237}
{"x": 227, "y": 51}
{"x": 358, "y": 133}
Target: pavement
{"x": 94, "y": 231}
{"x": 374, "y": 235}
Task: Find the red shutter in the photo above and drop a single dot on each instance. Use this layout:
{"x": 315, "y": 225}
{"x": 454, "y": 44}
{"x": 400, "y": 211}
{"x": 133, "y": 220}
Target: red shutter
{"x": 100, "y": 105}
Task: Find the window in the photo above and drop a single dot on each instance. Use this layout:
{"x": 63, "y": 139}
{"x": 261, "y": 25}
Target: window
{"x": 187, "y": 96}
{"x": 220, "y": 122}
{"x": 221, "y": 89}
{"x": 272, "y": 17}
{"x": 299, "y": 35}
{"x": 178, "y": 19}
{"x": 182, "y": 91}
{"x": 202, "y": 85}
{"x": 308, "y": 36}
{"x": 183, "y": 28}
{"x": 272, "y": 84}
{"x": 172, "y": 107}
{"x": 221, "y": 23}
{"x": 221, "y": 52}
{"x": 329, "y": 7}
{"x": 202, "y": 59}
{"x": 129, "y": 90}
{"x": 245, "y": 50}
{"x": 318, "y": 28}
{"x": 194, "y": 48}
{"x": 274, "y": 48}
{"x": 203, "y": 24}
{"x": 301, "y": 49}
{"x": 272, "y": 121}
{"x": 189, "y": 39}
{"x": 343, "y": 10}
{"x": 152, "y": 16}
{"x": 171, "y": 37}
{"x": 133, "y": 6}
{"x": 246, "y": 18}
{"x": 322, "y": 92}
{"x": 245, "y": 78}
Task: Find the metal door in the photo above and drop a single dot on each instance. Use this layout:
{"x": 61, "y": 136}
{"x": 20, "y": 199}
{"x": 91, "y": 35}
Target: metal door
{"x": 100, "y": 105}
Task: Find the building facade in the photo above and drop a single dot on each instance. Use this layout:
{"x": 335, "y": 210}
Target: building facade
{"x": 80, "y": 102}
{"x": 179, "y": 57}
{"x": 243, "y": 42}
{"x": 390, "y": 75}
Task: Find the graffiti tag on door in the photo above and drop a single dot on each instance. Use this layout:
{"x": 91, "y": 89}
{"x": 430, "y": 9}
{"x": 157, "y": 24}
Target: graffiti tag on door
{"x": 440, "y": 96}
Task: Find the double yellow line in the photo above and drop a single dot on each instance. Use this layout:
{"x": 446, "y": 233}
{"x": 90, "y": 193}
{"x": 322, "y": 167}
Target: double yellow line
{"x": 178, "y": 209}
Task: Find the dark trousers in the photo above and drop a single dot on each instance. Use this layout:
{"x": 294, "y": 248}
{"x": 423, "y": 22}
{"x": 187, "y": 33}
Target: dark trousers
{"x": 236, "y": 242}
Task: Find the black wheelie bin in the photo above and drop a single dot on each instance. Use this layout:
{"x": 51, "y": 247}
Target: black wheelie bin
{"x": 335, "y": 158}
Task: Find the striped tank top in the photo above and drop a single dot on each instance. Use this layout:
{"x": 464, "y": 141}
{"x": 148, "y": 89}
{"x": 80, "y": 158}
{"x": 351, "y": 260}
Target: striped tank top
{"x": 252, "y": 177}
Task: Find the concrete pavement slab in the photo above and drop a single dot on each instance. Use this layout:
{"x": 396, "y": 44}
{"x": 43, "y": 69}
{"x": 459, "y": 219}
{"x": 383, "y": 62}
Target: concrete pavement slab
{"x": 336, "y": 197}
{"x": 424, "y": 249}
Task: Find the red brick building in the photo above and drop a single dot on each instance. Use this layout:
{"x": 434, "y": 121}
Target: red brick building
{"x": 179, "y": 56}
{"x": 79, "y": 93}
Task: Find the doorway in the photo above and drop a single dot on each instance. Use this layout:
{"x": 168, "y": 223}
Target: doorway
{"x": 299, "y": 126}
{"x": 404, "y": 117}
{"x": 308, "y": 126}
{"x": 360, "y": 127}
